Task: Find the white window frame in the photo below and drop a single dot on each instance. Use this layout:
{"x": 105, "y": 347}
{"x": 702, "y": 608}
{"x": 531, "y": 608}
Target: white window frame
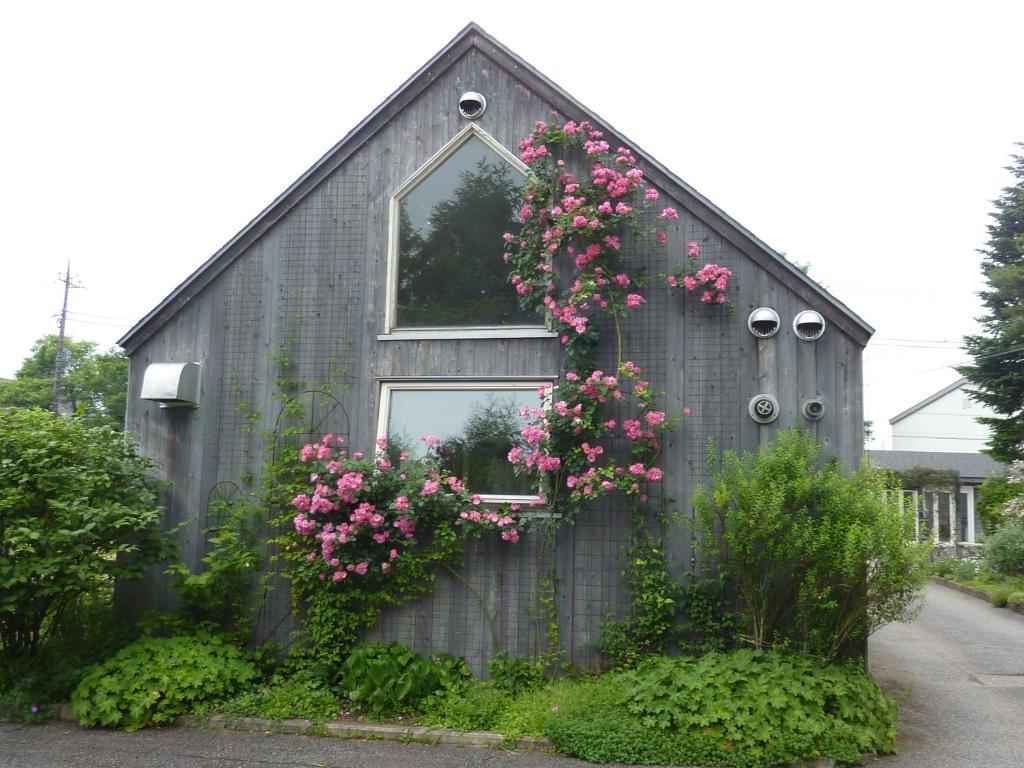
{"x": 391, "y": 332}
{"x": 498, "y": 385}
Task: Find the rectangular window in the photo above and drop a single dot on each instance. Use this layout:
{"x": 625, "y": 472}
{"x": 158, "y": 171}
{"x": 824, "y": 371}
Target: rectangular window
{"x": 477, "y": 422}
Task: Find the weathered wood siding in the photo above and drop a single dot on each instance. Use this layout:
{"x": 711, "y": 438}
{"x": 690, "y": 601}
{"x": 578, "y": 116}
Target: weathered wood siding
{"x": 312, "y": 290}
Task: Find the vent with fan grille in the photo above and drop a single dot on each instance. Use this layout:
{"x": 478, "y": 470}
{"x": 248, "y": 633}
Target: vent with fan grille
{"x": 808, "y": 325}
{"x": 763, "y": 322}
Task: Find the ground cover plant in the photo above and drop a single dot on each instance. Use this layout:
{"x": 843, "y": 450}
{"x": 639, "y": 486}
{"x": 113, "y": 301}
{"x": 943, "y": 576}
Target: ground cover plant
{"x": 156, "y": 679}
{"x": 744, "y": 708}
{"x": 284, "y": 697}
{"x": 740, "y": 708}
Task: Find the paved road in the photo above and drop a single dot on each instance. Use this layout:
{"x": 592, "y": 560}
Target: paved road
{"x": 948, "y": 717}
{"x": 56, "y": 745}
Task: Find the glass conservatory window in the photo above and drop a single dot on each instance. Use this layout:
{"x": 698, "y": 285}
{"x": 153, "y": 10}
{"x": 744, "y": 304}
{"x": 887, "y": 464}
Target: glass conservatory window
{"x": 476, "y": 422}
{"x": 450, "y": 271}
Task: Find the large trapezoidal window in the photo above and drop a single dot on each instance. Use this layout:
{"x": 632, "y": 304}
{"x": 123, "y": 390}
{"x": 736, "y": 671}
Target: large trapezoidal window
{"x": 450, "y": 270}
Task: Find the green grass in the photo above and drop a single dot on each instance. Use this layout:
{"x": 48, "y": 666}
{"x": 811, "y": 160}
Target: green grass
{"x": 990, "y": 583}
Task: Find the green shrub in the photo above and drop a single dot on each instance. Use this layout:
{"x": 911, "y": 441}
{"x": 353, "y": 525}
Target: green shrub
{"x": 286, "y": 698}
{"x": 993, "y": 494}
{"x": 1000, "y": 597}
{"x": 943, "y": 566}
{"x": 746, "y": 708}
{"x": 156, "y": 679}
{"x": 30, "y": 685}
{"x": 818, "y": 559}
{"x": 77, "y": 510}
{"x": 1015, "y": 600}
{"x": 1004, "y": 550}
{"x": 392, "y": 679}
{"x": 964, "y": 570}
{"x": 513, "y": 676}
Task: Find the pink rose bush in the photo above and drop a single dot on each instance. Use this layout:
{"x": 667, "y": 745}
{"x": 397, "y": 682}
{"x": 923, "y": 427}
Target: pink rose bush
{"x": 709, "y": 280}
{"x": 360, "y": 517}
{"x": 580, "y": 219}
{"x": 561, "y": 444}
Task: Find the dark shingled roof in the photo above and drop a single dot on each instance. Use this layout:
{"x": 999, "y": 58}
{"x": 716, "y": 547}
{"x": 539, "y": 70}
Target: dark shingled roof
{"x": 973, "y": 467}
{"x": 474, "y": 37}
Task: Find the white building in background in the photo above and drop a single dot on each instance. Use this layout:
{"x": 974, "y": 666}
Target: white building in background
{"x": 942, "y": 432}
{"x": 945, "y": 422}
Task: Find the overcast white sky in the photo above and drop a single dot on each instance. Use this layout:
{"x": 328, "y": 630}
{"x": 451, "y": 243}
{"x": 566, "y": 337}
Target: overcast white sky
{"x": 867, "y": 139}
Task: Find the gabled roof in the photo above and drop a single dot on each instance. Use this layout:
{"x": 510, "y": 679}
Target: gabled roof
{"x": 475, "y": 37}
{"x": 928, "y": 400}
{"x": 973, "y": 467}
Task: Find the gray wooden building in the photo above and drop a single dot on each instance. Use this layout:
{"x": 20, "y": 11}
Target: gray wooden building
{"x": 318, "y": 276}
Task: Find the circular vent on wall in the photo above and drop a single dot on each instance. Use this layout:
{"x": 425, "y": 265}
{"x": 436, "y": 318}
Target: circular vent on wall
{"x": 763, "y": 322}
{"x": 763, "y": 409}
{"x": 808, "y": 325}
{"x": 813, "y": 410}
{"x": 472, "y": 105}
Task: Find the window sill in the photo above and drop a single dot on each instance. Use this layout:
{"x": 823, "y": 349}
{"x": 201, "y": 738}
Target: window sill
{"x": 427, "y": 334}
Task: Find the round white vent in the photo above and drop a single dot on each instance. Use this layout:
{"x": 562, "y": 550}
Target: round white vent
{"x": 763, "y": 322}
{"x": 764, "y": 409}
{"x": 808, "y": 325}
{"x": 472, "y": 105}
{"x": 813, "y": 409}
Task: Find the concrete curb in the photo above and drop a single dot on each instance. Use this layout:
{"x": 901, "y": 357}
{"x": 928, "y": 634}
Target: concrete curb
{"x": 351, "y": 729}
{"x": 974, "y": 592}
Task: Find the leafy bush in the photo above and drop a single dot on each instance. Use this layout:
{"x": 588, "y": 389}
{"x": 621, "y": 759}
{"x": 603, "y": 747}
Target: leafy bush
{"x": 513, "y": 676}
{"x": 1000, "y": 597}
{"x": 156, "y": 679}
{"x": 1004, "y": 550}
{"x": 220, "y": 595}
{"x": 283, "y": 698}
{"x": 993, "y": 495}
{"x": 963, "y": 570}
{"x": 694, "y": 617}
{"x": 943, "y": 566}
{"x": 818, "y": 559}
{"x": 30, "y": 685}
{"x": 746, "y": 708}
{"x": 1015, "y": 600}
{"x": 391, "y": 679}
{"x": 76, "y": 512}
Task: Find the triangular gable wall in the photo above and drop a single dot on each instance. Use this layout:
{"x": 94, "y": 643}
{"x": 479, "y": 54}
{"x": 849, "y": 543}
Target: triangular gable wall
{"x": 469, "y": 38}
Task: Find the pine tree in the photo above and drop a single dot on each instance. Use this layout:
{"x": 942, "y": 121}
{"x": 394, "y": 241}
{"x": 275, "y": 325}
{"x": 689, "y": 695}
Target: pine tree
{"x": 997, "y": 374}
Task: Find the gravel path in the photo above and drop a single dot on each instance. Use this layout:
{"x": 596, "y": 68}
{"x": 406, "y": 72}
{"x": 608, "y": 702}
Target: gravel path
{"x": 958, "y": 672}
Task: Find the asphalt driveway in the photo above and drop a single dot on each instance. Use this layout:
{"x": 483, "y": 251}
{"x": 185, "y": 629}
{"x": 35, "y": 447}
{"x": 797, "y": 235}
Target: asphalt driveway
{"x": 958, "y": 673}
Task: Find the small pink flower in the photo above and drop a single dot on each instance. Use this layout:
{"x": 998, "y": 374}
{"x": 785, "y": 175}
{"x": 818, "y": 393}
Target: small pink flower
{"x": 669, "y": 213}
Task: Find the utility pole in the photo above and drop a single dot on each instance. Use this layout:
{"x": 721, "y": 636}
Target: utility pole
{"x": 60, "y": 360}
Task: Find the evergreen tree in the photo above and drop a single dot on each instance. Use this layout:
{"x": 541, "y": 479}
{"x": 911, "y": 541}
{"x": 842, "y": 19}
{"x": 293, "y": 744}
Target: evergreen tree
{"x": 997, "y": 373}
